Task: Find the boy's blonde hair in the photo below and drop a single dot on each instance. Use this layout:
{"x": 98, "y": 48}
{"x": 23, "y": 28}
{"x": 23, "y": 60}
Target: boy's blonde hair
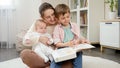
{"x": 61, "y": 9}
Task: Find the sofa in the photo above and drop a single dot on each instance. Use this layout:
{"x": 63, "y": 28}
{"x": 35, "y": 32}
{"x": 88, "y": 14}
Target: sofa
{"x": 19, "y": 43}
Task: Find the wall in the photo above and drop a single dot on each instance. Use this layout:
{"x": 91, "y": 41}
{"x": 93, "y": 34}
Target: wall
{"x": 26, "y": 13}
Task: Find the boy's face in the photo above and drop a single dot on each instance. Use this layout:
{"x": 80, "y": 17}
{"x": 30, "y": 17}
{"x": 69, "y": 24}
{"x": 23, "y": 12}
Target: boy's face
{"x": 64, "y": 19}
{"x": 41, "y": 28}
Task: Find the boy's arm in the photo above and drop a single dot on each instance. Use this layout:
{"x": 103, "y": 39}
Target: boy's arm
{"x": 79, "y": 36}
{"x": 66, "y": 44}
{"x": 57, "y": 39}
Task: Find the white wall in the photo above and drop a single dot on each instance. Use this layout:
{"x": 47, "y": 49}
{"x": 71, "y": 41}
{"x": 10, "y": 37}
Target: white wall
{"x": 26, "y": 13}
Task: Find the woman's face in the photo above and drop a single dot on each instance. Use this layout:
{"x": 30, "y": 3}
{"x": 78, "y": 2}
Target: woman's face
{"x": 49, "y": 17}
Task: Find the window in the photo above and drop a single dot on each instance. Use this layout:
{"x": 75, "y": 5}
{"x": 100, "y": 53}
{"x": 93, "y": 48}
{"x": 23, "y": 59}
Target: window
{"x": 6, "y": 22}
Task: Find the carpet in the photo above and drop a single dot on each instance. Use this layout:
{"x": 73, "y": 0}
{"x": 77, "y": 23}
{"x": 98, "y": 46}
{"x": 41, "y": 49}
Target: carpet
{"x": 88, "y": 62}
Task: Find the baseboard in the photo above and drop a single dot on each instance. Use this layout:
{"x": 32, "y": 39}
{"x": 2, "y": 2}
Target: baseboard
{"x": 4, "y": 44}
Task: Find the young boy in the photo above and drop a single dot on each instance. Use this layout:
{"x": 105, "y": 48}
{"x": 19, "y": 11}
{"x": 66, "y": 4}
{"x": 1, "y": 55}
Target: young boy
{"x": 67, "y": 34}
{"x": 43, "y": 50}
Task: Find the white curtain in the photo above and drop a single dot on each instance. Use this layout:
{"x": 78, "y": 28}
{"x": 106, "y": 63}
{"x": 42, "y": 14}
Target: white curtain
{"x": 6, "y": 26}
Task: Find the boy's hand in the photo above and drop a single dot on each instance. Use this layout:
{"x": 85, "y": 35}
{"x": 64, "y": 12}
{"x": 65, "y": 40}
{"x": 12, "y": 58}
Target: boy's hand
{"x": 71, "y": 43}
{"x": 76, "y": 42}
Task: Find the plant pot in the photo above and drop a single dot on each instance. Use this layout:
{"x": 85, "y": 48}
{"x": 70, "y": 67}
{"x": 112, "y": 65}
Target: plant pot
{"x": 112, "y": 15}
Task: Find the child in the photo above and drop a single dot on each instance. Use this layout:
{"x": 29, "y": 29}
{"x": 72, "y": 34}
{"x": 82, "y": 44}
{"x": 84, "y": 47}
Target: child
{"x": 43, "y": 50}
{"x": 66, "y": 34}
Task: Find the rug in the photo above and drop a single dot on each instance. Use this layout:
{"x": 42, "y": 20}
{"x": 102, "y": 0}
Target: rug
{"x": 88, "y": 62}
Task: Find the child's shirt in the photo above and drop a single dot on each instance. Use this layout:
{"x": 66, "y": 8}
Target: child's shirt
{"x": 68, "y": 34}
{"x": 59, "y": 33}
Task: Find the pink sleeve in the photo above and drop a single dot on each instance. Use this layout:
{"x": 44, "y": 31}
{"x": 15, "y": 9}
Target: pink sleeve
{"x": 77, "y": 30}
{"x": 56, "y": 35}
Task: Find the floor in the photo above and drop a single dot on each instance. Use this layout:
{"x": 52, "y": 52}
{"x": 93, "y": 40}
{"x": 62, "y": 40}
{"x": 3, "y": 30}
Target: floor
{"x": 7, "y": 54}
{"x": 110, "y": 54}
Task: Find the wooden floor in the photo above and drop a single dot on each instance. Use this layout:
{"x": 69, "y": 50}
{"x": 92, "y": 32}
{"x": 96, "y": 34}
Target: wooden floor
{"x": 7, "y": 54}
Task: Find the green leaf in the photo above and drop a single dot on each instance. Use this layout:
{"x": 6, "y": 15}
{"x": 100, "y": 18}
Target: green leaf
{"x": 112, "y": 4}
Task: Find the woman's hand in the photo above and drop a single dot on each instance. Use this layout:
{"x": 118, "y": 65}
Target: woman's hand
{"x": 43, "y": 40}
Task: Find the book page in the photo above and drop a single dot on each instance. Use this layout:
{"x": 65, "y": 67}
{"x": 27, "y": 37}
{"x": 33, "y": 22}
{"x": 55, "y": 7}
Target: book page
{"x": 80, "y": 47}
{"x": 64, "y": 54}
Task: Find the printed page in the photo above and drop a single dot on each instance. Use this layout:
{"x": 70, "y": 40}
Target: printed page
{"x": 80, "y": 47}
{"x": 64, "y": 54}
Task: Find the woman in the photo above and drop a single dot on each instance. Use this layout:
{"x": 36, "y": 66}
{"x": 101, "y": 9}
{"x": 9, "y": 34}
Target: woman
{"x": 29, "y": 57}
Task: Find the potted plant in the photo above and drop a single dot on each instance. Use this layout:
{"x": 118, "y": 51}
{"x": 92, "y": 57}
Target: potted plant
{"x": 113, "y": 5}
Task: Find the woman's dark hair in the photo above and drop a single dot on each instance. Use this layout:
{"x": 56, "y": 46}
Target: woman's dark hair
{"x": 43, "y": 7}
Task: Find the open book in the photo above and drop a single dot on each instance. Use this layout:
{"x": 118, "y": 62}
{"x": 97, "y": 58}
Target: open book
{"x": 67, "y": 53}
{"x": 80, "y": 47}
